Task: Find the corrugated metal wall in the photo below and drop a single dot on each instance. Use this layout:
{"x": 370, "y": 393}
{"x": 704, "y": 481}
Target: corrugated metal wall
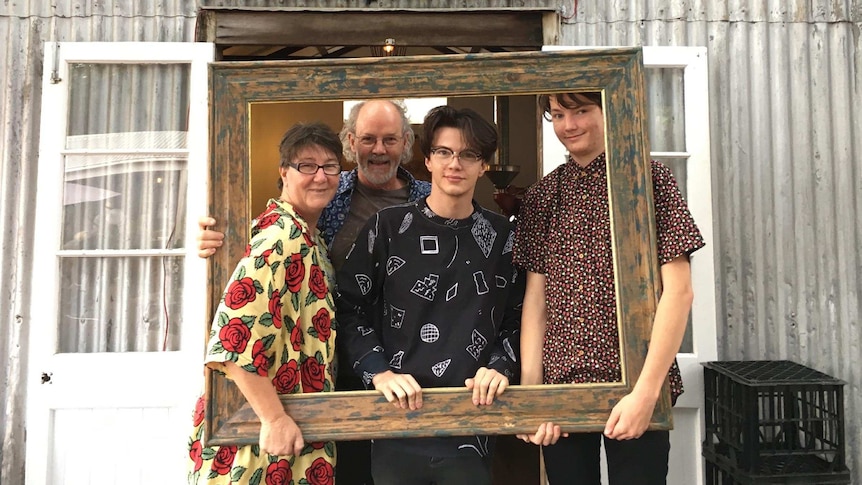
{"x": 20, "y": 71}
{"x": 785, "y": 82}
{"x": 786, "y": 130}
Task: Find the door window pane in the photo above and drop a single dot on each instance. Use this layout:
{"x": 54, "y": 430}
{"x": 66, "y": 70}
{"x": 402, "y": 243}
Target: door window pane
{"x": 136, "y": 204}
{"x": 120, "y": 304}
{"x": 666, "y": 109}
{"x": 125, "y": 189}
{"x": 128, "y": 98}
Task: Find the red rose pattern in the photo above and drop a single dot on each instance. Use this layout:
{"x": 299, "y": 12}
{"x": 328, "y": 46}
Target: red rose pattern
{"x": 195, "y": 454}
{"x": 286, "y": 378}
{"x": 308, "y": 241}
{"x": 259, "y": 358}
{"x": 198, "y": 417}
{"x": 275, "y": 308}
{"x": 295, "y": 273}
{"x": 240, "y": 293}
{"x": 322, "y": 323}
{"x": 223, "y": 461}
{"x": 296, "y": 337}
{"x": 267, "y": 219}
{"x": 320, "y": 473}
{"x": 313, "y": 375}
{"x": 234, "y": 336}
{"x": 317, "y": 282}
{"x": 279, "y": 473}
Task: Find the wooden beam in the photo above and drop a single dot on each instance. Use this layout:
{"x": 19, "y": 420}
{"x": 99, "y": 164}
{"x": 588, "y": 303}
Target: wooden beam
{"x": 459, "y": 28}
{"x": 354, "y": 415}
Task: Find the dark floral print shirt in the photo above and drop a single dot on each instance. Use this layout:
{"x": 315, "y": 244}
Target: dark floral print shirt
{"x": 564, "y": 233}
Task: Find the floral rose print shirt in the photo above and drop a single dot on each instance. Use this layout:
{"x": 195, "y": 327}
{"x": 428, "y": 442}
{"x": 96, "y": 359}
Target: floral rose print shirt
{"x": 275, "y": 320}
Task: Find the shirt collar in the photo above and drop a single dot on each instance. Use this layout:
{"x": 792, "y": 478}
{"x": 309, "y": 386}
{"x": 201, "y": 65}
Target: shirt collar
{"x": 596, "y": 167}
{"x": 426, "y": 211}
{"x": 288, "y": 209}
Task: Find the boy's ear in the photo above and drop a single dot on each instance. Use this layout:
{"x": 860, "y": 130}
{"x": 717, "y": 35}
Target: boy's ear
{"x": 484, "y": 169}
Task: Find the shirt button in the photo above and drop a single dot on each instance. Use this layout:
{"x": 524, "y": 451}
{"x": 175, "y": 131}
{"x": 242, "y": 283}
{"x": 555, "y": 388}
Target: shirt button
{"x": 584, "y": 197}
{"x": 580, "y": 353}
{"x": 580, "y": 255}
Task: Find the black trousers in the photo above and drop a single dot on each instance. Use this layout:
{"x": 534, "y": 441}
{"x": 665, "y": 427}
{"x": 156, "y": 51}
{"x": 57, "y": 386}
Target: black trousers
{"x": 391, "y": 466}
{"x": 575, "y": 460}
{"x": 353, "y": 466}
{"x": 354, "y": 463}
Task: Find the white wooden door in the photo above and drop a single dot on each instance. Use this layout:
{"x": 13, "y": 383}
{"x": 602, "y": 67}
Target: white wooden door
{"x": 678, "y": 113}
{"x": 118, "y": 314}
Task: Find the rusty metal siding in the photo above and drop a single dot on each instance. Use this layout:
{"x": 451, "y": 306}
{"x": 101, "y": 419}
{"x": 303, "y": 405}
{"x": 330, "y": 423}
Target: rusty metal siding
{"x": 785, "y": 97}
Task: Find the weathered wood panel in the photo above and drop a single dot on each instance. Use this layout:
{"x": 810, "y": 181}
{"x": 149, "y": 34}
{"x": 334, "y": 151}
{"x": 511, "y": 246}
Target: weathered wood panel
{"x": 357, "y": 415}
{"x": 497, "y": 28}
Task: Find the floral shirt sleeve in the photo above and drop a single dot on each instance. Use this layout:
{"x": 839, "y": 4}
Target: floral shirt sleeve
{"x": 275, "y": 318}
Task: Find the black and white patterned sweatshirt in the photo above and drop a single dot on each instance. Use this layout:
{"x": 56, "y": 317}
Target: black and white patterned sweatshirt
{"x": 432, "y": 297}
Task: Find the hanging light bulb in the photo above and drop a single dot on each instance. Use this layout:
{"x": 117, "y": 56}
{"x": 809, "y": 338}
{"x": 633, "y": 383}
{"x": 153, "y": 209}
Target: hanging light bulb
{"x": 389, "y": 46}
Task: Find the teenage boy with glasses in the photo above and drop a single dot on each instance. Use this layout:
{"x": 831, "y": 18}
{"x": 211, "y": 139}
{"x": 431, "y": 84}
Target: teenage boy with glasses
{"x": 429, "y": 297}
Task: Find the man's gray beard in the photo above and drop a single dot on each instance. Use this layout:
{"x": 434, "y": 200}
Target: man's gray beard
{"x": 376, "y": 178}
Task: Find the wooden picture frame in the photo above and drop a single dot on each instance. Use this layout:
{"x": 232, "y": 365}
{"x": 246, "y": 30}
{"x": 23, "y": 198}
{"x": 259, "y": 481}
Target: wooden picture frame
{"x": 617, "y": 72}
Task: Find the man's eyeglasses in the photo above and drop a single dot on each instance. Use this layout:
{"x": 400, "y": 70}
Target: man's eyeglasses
{"x": 370, "y": 141}
{"x": 445, "y": 155}
{"x": 310, "y": 168}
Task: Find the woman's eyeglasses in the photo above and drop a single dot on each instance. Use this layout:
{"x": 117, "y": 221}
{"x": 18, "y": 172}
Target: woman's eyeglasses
{"x": 310, "y": 168}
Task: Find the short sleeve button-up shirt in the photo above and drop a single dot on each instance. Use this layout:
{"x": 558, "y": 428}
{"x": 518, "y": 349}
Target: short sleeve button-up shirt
{"x": 564, "y": 234}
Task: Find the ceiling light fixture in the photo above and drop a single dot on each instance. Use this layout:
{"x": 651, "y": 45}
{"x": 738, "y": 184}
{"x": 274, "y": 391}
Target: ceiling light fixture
{"x": 389, "y": 46}
{"x": 388, "y": 49}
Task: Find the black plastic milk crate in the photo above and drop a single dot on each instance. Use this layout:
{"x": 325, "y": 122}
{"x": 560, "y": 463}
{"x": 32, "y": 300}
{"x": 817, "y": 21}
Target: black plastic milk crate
{"x": 786, "y": 470}
{"x": 759, "y": 412}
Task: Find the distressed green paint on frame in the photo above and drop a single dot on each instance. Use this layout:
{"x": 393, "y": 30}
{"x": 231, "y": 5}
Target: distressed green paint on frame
{"x": 618, "y": 73}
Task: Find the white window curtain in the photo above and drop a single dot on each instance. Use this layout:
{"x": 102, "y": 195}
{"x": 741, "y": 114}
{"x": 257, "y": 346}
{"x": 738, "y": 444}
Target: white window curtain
{"x": 123, "y": 220}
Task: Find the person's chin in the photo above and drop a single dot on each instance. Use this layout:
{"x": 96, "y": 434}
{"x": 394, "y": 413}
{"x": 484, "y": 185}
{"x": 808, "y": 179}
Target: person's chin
{"x": 321, "y": 199}
{"x": 379, "y": 174}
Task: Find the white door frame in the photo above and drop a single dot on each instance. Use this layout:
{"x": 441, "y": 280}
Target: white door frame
{"x": 108, "y": 382}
